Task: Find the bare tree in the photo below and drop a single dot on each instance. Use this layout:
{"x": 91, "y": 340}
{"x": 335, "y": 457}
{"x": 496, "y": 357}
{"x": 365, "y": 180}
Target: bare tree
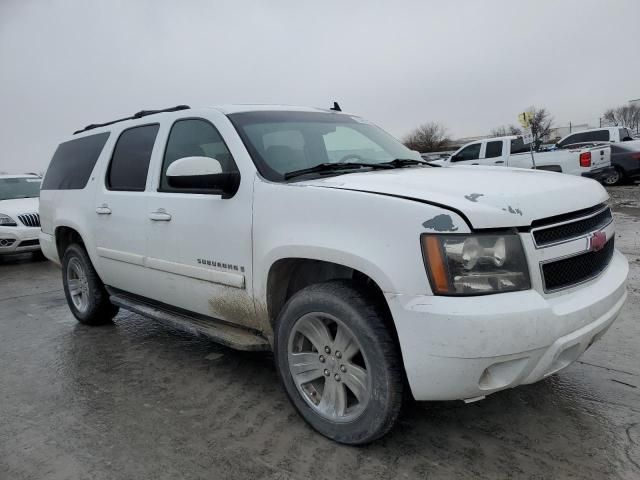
{"x": 624, "y": 116}
{"x": 505, "y": 131}
{"x": 428, "y": 137}
{"x": 541, "y": 125}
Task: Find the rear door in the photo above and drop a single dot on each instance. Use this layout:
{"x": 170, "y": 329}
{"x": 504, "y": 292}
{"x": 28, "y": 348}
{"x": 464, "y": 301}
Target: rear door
{"x": 494, "y": 153}
{"x": 121, "y": 211}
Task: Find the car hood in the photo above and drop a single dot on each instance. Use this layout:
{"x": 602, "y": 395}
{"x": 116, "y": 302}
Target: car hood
{"x": 489, "y": 197}
{"x": 18, "y": 206}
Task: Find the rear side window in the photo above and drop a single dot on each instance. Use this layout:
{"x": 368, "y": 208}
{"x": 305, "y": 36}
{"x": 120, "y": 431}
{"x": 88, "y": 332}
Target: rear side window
{"x": 73, "y": 162}
{"x": 494, "y": 149}
{"x": 596, "y": 136}
{"x": 130, "y": 159}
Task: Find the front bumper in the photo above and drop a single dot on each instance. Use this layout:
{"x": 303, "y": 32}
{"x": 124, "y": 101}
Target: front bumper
{"x": 599, "y": 174}
{"x": 467, "y": 347}
{"x": 18, "y": 240}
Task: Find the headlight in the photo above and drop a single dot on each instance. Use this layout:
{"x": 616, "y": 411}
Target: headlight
{"x": 7, "y": 221}
{"x": 475, "y": 264}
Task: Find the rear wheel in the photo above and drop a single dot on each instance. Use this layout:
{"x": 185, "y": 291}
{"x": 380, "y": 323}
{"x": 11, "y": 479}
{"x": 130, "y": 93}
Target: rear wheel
{"x": 338, "y": 363}
{"x": 86, "y": 296}
{"x": 616, "y": 177}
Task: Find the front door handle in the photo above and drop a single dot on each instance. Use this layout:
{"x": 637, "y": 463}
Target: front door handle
{"x": 499, "y": 161}
{"x": 103, "y": 209}
{"x": 160, "y": 216}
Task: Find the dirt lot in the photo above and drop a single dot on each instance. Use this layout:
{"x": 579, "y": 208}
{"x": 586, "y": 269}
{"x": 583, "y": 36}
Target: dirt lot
{"x": 135, "y": 400}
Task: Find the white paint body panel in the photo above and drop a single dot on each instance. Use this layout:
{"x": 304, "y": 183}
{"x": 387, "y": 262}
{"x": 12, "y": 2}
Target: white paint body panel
{"x": 20, "y": 232}
{"x": 370, "y": 222}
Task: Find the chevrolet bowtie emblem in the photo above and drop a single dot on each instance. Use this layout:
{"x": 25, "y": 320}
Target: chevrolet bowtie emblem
{"x": 597, "y": 241}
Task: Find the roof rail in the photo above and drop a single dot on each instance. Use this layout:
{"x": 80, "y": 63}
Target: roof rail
{"x": 140, "y": 114}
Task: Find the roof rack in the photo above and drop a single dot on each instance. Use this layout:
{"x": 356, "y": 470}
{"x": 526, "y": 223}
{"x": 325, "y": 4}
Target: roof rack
{"x": 140, "y": 114}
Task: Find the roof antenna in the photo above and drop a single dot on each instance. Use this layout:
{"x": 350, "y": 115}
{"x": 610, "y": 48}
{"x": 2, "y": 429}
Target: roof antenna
{"x": 336, "y": 107}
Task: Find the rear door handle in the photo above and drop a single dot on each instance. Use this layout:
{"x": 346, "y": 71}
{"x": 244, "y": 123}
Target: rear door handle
{"x": 103, "y": 209}
{"x": 160, "y": 216}
{"x": 499, "y": 161}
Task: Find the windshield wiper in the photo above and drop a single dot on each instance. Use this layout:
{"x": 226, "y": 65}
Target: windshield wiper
{"x": 405, "y": 162}
{"x": 335, "y": 167}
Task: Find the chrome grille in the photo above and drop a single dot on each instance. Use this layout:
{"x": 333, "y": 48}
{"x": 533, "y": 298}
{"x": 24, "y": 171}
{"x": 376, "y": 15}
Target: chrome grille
{"x": 30, "y": 219}
{"x": 572, "y": 228}
{"x": 576, "y": 269}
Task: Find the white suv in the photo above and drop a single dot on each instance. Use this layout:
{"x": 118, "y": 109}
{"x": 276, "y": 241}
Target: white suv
{"x": 19, "y": 220}
{"x": 315, "y": 234}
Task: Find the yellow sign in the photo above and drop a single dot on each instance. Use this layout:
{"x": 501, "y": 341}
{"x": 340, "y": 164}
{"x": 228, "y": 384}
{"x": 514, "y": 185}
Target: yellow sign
{"x": 525, "y": 119}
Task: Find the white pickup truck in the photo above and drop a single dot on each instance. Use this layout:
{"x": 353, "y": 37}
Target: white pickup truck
{"x": 510, "y": 151}
{"x": 312, "y": 233}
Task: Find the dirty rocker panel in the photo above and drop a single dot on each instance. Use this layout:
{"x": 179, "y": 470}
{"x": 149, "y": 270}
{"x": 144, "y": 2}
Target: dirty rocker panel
{"x": 220, "y": 331}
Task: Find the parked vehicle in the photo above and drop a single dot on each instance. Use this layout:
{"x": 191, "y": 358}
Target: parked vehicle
{"x": 625, "y": 150}
{"x": 431, "y": 156}
{"x": 594, "y": 135}
{"x": 315, "y": 234}
{"x": 19, "y": 220}
{"x": 510, "y": 151}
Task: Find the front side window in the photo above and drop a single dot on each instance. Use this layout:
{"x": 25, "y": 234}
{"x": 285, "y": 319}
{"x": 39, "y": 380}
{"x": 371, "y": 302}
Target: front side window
{"x": 130, "y": 160}
{"x": 471, "y": 152}
{"x": 194, "y": 137}
{"x": 281, "y": 142}
{"x": 21, "y": 187}
{"x": 494, "y": 149}
{"x": 625, "y": 135}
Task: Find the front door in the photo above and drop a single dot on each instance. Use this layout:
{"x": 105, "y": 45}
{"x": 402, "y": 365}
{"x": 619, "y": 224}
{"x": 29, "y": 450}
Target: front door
{"x": 469, "y": 155}
{"x": 199, "y": 244}
{"x": 121, "y": 211}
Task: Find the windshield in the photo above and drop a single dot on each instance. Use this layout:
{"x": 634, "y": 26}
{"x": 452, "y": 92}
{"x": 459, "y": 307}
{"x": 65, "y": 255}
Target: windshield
{"x": 22, "y": 187}
{"x": 282, "y": 142}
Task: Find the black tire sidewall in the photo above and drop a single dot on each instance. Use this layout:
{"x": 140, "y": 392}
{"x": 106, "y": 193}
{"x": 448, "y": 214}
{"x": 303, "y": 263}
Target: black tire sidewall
{"x": 99, "y": 310}
{"x": 350, "y": 306}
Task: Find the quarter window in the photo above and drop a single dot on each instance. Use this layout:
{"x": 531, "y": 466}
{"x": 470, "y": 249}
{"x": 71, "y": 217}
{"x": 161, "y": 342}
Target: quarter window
{"x": 130, "y": 160}
{"x": 73, "y": 162}
{"x": 494, "y": 149}
{"x": 195, "y": 137}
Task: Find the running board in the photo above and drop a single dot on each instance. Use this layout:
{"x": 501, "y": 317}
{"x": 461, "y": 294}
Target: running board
{"x": 223, "y": 333}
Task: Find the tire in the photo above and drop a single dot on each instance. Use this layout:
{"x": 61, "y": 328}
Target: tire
{"x": 86, "y": 296}
{"x": 364, "y": 390}
{"x": 616, "y": 178}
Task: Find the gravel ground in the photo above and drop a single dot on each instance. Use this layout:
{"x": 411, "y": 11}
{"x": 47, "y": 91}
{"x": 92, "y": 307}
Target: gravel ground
{"x": 136, "y": 400}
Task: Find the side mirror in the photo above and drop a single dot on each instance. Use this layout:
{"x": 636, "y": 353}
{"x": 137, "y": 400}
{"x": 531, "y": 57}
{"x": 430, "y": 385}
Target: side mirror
{"x": 202, "y": 175}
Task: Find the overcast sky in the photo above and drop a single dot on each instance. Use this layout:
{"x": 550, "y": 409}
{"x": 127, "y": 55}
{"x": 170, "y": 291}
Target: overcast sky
{"x": 472, "y": 65}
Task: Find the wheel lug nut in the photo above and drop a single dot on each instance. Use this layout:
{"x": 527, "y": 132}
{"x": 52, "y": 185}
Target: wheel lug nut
{"x": 327, "y": 350}
{"x": 343, "y": 368}
{"x": 337, "y": 377}
{"x": 326, "y": 372}
{"x": 321, "y": 359}
{"x": 338, "y": 354}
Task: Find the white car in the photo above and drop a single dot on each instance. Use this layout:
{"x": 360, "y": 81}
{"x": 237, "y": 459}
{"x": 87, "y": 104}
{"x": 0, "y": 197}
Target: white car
{"x": 313, "y": 233}
{"x": 19, "y": 220}
{"x": 511, "y": 151}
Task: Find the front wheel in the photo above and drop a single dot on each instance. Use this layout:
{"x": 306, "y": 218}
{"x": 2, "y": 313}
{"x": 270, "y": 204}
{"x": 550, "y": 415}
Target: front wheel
{"x": 339, "y": 363}
{"x": 86, "y": 296}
